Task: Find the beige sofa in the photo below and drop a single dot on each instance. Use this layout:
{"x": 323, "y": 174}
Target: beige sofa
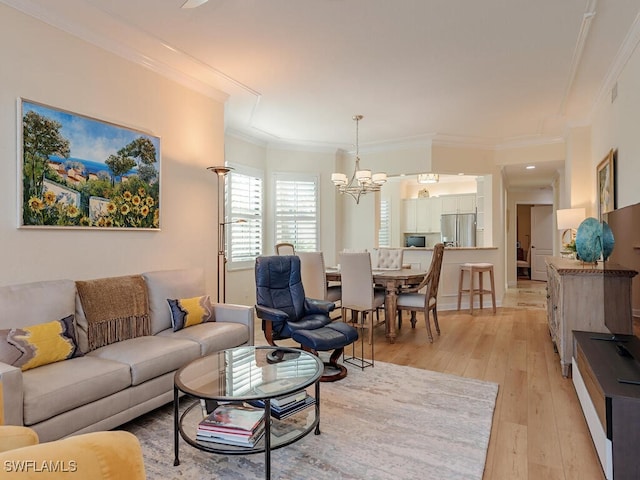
{"x": 112, "y": 384}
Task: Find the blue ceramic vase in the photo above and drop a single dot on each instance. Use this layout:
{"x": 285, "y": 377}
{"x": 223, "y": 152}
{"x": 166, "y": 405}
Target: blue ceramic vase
{"x": 608, "y": 241}
{"x": 589, "y": 240}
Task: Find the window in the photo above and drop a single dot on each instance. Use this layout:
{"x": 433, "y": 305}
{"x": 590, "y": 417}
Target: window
{"x": 384, "y": 234}
{"x": 244, "y": 202}
{"x": 296, "y": 211}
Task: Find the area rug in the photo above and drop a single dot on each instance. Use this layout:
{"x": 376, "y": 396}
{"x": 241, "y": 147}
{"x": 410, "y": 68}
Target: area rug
{"x": 385, "y": 422}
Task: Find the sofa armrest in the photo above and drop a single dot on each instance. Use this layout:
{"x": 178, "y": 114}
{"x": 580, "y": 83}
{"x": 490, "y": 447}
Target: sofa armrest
{"x": 97, "y": 455}
{"x": 11, "y": 395}
{"x": 228, "y": 312}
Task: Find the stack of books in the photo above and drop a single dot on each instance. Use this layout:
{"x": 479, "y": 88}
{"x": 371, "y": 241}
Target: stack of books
{"x": 285, "y": 406}
{"x": 232, "y": 424}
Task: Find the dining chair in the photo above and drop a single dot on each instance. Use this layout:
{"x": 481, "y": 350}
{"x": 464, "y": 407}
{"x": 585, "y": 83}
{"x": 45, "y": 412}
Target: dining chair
{"x": 284, "y": 248}
{"x": 388, "y": 258}
{"x": 360, "y": 298}
{"x": 525, "y": 263}
{"x": 411, "y": 299}
{"x": 314, "y": 278}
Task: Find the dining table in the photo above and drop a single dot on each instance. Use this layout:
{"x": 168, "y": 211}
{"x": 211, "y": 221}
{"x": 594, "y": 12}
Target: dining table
{"x": 392, "y": 280}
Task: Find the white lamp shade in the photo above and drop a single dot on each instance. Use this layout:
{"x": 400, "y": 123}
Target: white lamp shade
{"x": 363, "y": 176}
{"x": 379, "y": 178}
{"x": 570, "y": 218}
{"x": 339, "y": 178}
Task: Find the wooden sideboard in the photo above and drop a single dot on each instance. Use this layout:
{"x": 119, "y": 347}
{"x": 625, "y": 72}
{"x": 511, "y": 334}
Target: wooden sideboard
{"x": 580, "y": 296}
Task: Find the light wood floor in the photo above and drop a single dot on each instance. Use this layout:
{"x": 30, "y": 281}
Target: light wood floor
{"x": 538, "y": 430}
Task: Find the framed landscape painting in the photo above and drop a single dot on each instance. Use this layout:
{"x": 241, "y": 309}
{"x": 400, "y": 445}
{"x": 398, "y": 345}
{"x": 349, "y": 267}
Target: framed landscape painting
{"x": 606, "y": 177}
{"x": 80, "y": 172}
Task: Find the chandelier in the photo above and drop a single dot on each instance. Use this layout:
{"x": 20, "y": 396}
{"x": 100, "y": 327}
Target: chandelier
{"x": 362, "y": 181}
{"x": 426, "y": 178}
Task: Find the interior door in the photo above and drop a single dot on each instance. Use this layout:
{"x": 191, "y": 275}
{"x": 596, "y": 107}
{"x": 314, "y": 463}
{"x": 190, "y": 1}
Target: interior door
{"x": 541, "y": 240}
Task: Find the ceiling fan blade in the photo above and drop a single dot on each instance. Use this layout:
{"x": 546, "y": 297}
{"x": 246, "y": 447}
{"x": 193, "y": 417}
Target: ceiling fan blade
{"x": 193, "y": 3}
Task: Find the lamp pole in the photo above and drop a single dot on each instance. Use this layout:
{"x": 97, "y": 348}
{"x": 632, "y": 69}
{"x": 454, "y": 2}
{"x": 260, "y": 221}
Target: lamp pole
{"x": 221, "y": 171}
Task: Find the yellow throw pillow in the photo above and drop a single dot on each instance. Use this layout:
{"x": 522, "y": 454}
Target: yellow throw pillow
{"x": 36, "y": 345}
{"x": 186, "y": 312}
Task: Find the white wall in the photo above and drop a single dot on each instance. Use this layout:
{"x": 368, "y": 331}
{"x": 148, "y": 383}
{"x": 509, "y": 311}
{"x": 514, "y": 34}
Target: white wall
{"x": 49, "y": 66}
{"x": 615, "y": 125}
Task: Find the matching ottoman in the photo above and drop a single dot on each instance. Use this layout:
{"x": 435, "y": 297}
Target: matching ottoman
{"x": 334, "y": 336}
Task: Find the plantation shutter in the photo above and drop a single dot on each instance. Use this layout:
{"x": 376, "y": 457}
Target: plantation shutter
{"x": 384, "y": 234}
{"x": 244, "y": 202}
{"x": 296, "y": 211}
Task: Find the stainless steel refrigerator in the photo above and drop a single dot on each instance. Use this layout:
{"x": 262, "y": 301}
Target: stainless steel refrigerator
{"x": 458, "y": 229}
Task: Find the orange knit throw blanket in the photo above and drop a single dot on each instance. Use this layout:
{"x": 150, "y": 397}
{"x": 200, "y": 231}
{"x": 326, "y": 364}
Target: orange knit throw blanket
{"x": 116, "y": 309}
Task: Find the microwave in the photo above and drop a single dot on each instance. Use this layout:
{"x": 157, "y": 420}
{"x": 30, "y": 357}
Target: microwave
{"x": 415, "y": 241}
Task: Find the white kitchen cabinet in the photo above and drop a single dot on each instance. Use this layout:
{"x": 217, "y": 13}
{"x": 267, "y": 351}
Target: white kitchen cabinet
{"x": 465, "y": 203}
{"x": 435, "y": 210}
{"x": 449, "y": 203}
{"x": 409, "y": 215}
{"x": 421, "y": 215}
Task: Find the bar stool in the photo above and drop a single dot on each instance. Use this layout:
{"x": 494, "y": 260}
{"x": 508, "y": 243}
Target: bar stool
{"x": 478, "y": 268}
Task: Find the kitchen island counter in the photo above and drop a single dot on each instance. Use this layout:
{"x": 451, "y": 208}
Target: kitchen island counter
{"x": 420, "y": 257}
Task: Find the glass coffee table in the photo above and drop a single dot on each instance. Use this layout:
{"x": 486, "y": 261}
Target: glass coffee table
{"x": 248, "y": 375}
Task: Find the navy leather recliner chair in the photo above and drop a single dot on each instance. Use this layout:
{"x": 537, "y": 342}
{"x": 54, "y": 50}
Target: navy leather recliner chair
{"x": 286, "y": 313}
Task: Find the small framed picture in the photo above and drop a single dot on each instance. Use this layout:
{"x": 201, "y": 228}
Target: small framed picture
{"x": 606, "y": 178}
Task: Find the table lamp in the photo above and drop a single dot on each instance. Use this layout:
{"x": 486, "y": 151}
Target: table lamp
{"x": 569, "y": 220}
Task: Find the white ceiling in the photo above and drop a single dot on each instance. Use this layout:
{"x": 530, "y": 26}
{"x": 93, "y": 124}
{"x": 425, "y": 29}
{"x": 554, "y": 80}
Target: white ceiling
{"x": 490, "y": 73}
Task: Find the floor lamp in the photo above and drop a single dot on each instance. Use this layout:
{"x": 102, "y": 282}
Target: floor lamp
{"x": 221, "y": 171}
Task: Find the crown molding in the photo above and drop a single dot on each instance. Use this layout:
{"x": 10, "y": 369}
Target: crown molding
{"x": 531, "y": 142}
{"x": 165, "y": 68}
{"x": 578, "y": 49}
{"x": 423, "y": 141}
{"x": 239, "y": 135}
{"x": 625, "y": 52}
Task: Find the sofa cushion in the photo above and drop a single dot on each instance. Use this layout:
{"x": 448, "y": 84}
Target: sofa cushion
{"x": 38, "y": 302}
{"x": 186, "y": 312}
{"x": 62, "y": 386}
{"x": 212, "y": 336}
{"x": 151, "y": 356}
{"x": 36, "y": 345}
{"x": 165, "y": 284}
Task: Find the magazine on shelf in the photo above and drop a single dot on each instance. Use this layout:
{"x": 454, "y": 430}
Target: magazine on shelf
{"x": 295, "y": 408}
{"x": 234, "y": 417}
{"x": 204, "y": 433}
{"x": 289, "y": 409}
{"x": 288, "y": 399}
{"x": 238, "y": 442}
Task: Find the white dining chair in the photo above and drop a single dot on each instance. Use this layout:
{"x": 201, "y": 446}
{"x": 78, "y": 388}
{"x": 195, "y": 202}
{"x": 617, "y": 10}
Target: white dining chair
{"x": 284, "y": 248}
{"x": 361, "y": 299}
{"x": 312, "y": 269}
{"x": 388, "y": 258}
